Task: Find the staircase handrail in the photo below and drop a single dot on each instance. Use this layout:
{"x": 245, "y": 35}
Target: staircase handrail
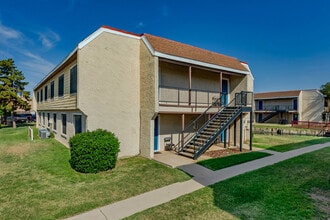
{"x": 182, "y": 136}
{"x": 240, "y": 100}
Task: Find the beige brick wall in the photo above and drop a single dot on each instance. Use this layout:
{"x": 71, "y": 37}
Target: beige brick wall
{"x": 312, "y": 105}
{"x": 109, "y": 88}
{"x": 148, "y": 100}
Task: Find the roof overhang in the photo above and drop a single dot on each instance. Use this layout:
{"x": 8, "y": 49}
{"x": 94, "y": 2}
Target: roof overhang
{"x": 193, "y": 62}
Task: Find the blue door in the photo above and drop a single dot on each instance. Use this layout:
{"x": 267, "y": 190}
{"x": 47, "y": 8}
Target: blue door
{"x": 295, "y": 104}
{"x": 224, "y": 91}
{"x": 260, "y": 106}
{"x": 259, "y": 117}
{"x": 156, "y": 134}
{"x": 224, "y": 101}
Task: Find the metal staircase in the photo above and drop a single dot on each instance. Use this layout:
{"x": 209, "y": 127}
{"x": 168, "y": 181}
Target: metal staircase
{"x": 270, "y": 116}
{"x": 197, "y": 137}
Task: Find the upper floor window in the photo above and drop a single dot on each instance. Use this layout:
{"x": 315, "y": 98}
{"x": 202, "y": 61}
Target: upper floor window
{"x": 61, "y": 85}
{"x": 41, "y": 95}
{"x": 73, "y": 80}
{"x": 38, "y": 97}
{"x": 52, "y": 89}
{"x": 46, "y": 93}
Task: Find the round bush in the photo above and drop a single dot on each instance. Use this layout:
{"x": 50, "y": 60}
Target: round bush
{"x": 94, "y": 151}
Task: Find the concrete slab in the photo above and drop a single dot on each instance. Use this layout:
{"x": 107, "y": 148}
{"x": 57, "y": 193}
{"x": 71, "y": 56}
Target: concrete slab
{"x": 173, "y": 160}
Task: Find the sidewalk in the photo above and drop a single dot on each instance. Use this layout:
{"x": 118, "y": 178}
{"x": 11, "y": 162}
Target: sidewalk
{"x": 201, "y": 177}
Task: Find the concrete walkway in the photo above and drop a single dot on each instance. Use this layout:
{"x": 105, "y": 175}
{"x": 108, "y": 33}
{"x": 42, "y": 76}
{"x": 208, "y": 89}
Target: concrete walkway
{"x": 201, "y": 177}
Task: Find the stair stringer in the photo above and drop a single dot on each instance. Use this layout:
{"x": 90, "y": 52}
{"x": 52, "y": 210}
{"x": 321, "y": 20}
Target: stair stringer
{"x": 211, "y": 140}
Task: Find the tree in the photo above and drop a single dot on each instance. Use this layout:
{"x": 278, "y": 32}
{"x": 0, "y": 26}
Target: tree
{"x": 325, "y": 89}
{"x": 12, "y": 93}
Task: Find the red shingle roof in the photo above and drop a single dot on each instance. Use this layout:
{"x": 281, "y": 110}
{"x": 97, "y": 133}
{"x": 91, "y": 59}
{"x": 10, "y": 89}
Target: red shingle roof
{"x": 174, "y": 48}
{"x": 281, "y": 94}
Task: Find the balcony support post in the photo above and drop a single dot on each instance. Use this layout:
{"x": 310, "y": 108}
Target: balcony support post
{"x": 220, "y": 86}
{"x": 235, "y": 122}
{"x": 241, "y": 132}
{"x": 251, "y": 134}
{"x": 190, "y": 83}
{"x": 182, "y": 128}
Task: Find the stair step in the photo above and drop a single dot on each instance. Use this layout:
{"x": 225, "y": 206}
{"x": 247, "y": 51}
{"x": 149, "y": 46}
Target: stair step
{"x": 186, "y": 154}
{"x": 191, "y": 150}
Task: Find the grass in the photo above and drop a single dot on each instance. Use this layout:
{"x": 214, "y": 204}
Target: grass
{"x": 280, "y": 191}
{"x": 283, "y": 143}
{"x": 223, "y": 162}
{"x": 37, "y": 182}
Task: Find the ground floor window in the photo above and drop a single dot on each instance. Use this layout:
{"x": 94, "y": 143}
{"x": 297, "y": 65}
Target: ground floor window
{"x": 54, "y": 121}
{"x": 48, "y": 120}
{"x": 43, "y": 118}
{"x": 63, "y": 123}
{"x": 77, "y": 119}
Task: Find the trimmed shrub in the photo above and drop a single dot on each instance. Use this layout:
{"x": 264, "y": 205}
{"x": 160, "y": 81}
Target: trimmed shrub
{"x": 94, "y": 151}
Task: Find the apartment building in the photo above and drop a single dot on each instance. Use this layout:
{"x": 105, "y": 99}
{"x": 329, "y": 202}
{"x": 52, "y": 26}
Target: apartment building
{"x": 147, "y": 90}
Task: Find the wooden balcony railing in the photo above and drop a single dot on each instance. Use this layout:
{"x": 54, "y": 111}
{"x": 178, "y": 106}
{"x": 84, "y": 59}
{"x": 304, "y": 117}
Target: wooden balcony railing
{"x": 187, "y": 97}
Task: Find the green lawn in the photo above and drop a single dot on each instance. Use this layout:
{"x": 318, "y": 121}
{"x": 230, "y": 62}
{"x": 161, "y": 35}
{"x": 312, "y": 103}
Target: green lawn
{"x": 281, "y": 191}
{"x": 283, "y": 143}
{"x": 37, "y": 182}
{"x": 223, "y": 162}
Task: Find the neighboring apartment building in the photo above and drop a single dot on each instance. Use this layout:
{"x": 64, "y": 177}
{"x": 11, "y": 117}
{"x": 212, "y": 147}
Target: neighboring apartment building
{"x": 283, "y": 107}
{"x": 143, "y": 88}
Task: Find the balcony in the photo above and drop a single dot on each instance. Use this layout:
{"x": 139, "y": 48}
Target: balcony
{"x": 276, "y": 108}
{"x": 181, "y": 97}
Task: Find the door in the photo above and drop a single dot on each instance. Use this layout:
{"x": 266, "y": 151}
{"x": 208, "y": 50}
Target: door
{"x": 295, "y": 104}
{"x": 259, "y": 117}
{"x": 224, "y": 91}
{"x": 77, "y": 124}
{"x": 260, "y": 105}
{"x": 224, "y": 101}
{"x": 156, "y": 134}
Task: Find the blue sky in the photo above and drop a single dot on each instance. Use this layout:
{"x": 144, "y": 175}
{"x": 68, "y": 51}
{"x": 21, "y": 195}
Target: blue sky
{"x": 285, "y": 42}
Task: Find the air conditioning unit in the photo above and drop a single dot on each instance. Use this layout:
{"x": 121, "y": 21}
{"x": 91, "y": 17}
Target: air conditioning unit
{"x": 43, "y": 133}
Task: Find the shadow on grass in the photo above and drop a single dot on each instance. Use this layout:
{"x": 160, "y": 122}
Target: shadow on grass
{"x": 294, "y": 146}
{"x": 280, "y": 191}
{"x": 231, "y": 160}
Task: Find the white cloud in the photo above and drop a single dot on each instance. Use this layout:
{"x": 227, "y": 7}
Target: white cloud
{"x": 8, "y": 33}
{"x": 140, "y": 25}
{"x": 49, "y": 38}
{"x": 34, "y": 68}
{"x": 36, "y": 64}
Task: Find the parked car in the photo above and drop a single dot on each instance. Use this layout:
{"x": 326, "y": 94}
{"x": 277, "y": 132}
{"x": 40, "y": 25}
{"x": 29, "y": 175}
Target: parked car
{"x": 20, "y": 118}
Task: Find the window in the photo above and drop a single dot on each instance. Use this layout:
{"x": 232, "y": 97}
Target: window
{"x": 73, "y": 80}
{"x": 43, "y": 118}
{"x": 54, "y": 121}
{"x": 41, "y": 95}
{"x": 63, "y": 123}
{"x": 46, "y": 93}
{"x": 61, "y": 85}
{"x": 48, "y": 120}
{"x": 38, "y": 97}
{"x": 77, "y": 124}
{"x": 52, "y": 90}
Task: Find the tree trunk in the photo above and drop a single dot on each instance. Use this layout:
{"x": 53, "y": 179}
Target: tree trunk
{"x": 13, "y": 120}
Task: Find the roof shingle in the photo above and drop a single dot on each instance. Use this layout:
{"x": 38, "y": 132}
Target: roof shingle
{"x": 281, "y": 94}
{"x": 175, "y": 48}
